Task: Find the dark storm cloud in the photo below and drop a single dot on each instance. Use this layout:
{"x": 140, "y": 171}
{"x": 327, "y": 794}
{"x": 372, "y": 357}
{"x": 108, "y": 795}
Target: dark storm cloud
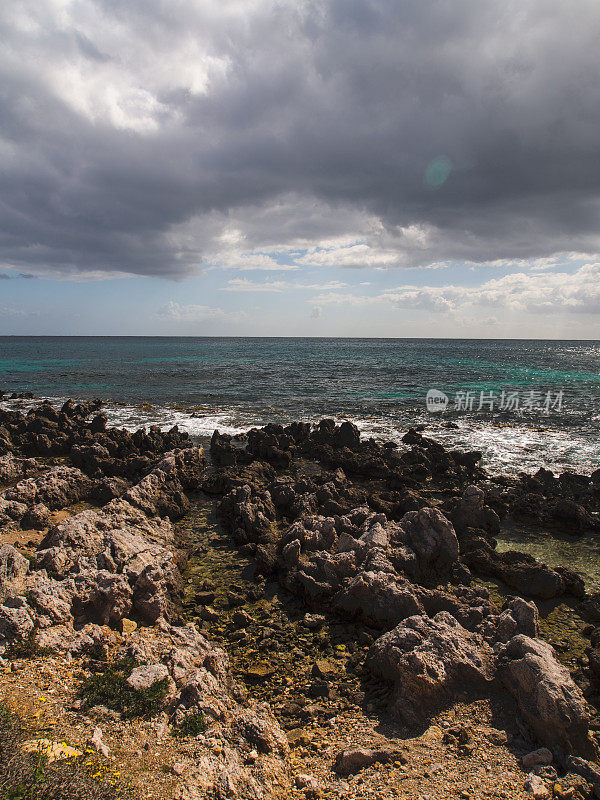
{"x": 121, "y": 123}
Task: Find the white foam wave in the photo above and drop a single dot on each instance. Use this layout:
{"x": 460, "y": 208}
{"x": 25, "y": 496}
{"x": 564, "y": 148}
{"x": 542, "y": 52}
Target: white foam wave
{"x": 507, "y": 448}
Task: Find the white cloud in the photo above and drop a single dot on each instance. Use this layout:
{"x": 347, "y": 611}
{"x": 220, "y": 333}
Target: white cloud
{"x": 303, "y": 129}
{"x": 198, "y": 313}
{"x": 519, "y": 293}
{"x": 245, "y": 285}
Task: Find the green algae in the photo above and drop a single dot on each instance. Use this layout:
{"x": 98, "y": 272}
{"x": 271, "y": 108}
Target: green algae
{"x": 578, "y": 553}
{"x": 561, "y": 622}
{"x": 275, "y": 653}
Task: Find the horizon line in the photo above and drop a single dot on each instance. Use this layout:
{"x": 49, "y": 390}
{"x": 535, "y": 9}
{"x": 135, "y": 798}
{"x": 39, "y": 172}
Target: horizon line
{"x": 242, "y": 336}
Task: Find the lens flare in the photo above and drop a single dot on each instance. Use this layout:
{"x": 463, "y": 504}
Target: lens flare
{"x": 437, "y": 172}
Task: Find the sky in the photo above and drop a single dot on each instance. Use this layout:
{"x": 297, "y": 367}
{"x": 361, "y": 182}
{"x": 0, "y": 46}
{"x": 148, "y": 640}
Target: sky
{"x": 275, "y": 167}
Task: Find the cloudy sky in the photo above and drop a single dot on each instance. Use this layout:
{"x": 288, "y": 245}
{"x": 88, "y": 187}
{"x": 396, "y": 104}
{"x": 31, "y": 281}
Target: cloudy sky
{"x": 275, "y": 167}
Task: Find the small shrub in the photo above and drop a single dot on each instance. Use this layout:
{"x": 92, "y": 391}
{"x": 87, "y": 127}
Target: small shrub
{"x": 191, "y": 725}
{"x": 109, "y": 688}
{"x": 27, "y": 648}
{"x": 97, "y": 652}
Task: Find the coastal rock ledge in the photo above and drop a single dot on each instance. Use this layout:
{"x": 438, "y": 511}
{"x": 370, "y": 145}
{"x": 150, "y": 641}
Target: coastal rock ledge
{"x": 395, "y": 544}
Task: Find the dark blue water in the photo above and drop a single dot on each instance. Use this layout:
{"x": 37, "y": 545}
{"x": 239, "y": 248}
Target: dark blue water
{"x": 232, "y": 383}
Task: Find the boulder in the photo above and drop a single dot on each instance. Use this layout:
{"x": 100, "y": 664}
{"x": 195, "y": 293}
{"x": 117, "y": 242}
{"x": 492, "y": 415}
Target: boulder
{"x": 51, "y": 600}
{"x": 380, "y": 599}
{"x": 537, "y": 758}
{"x": 58, "y": 487}
{"x": 353, "y": 759}
{"x": 324, "y": 573}
{"x": 101, "y": 596}
{"x": 431, "y": 662}
{"x": 520, "y": 571}
{"x": 142, "y": 678}
{"x": 86, "y": 640}
{"x": 426, "y": 544}
{"x": 119, "y": 538}
{"x": 201, "y": 693}
{"x": 36, "y": 518}
{"x": 11, "y": 468}
{"x": 16, "y": 619}
{"x": 260, "y": 729}
{"x": 13, "y": 568}
{"x": 548, "y": 699}
{"x": 518, "y": 616}
{"x": 471, "y": 512}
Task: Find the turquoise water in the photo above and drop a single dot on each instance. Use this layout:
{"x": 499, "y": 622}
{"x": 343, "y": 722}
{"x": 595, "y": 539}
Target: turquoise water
{"x": 232, "y": 383}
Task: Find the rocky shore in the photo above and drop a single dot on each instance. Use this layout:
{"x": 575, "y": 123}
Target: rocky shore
{"x": 309, "y": 613}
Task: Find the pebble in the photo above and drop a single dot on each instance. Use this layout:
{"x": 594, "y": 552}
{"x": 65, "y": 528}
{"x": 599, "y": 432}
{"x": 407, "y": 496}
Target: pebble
{"x": 97, "y": 742}
{"x": 303, "y": 781}
{"x": 536, "y": 787}
{"x": 537, "y": 758}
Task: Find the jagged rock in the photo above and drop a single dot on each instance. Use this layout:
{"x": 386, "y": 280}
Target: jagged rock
{"x": 145, "y": 677}
{"x": 102, "y": 596}
{"x": 151, "y": 594}
{"x": 56, "y": 488}
{"x": 430, "y": 661}
{"x": 249, "y": 516}
{"x": 13, "y": 568}
{"x": 182, "y": 648}
{"x": 11, "y": 512}
{"x": 62, "y": 638}
{"x": 471, "y": 606}
{"x": 161, "y": 492}
{"x": 16, "y": 619}
{"x": 258, "y": 727}
{"x": 425, "y": 543}
{"x": 471, "y": 512}
{"x": 590, "y": 772}
{"x": 518, "y": 616}
{"x": 11, "y": 468}
{"x": 547, "y": 697}
{"x": 323, "y": 574}
{"x": 51, "y": 600}
{"x": 98, "y": 424}
{"x": 201, "y": 693}
{"x": 119, "y": 537}
{"x": 520, "y": 571}
{"x": 36, "y": 518}
{"x": 536, "y": 787}
{"x": 291, "y": 553}
{"x": 380, "y": 599}
{"x": 109, "y": 489}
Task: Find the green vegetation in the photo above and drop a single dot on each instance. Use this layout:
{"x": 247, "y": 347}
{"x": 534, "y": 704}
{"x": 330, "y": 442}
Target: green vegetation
{"x": 109, "y": 688}
{"x": 191, "y": 725}
{"x": 27, "y": 648}
{"x": 29, "y": 776}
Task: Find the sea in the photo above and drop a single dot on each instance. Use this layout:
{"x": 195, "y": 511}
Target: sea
{"x": 525, "y": 404}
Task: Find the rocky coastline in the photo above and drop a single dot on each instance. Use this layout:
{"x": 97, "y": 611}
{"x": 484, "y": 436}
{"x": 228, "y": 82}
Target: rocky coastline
{"x": 374, "y": 641}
